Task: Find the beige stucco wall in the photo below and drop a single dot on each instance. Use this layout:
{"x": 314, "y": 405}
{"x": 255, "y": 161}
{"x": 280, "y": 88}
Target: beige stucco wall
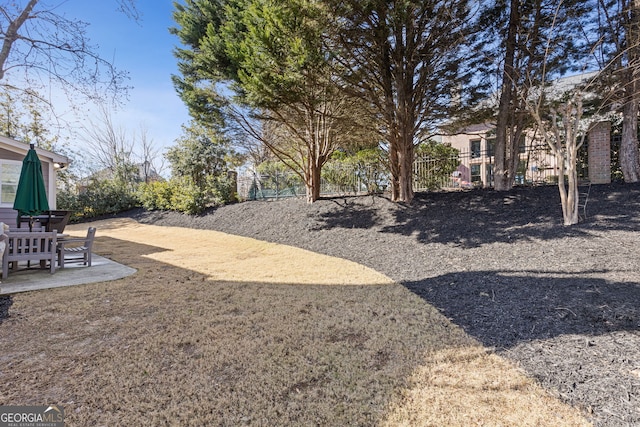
{"x": 539, "y": 165}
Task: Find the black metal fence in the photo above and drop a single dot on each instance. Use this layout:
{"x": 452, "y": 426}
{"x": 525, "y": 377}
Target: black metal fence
{"x": 336, "y": 180}
{"x": 466, "y": 170}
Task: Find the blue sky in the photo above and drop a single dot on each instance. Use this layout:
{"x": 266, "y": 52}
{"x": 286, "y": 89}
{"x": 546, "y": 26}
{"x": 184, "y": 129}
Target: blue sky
{"x": 144, "y": 50}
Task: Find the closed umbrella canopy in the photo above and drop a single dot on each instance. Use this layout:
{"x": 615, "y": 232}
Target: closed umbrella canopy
{"x": 31, "y": 197}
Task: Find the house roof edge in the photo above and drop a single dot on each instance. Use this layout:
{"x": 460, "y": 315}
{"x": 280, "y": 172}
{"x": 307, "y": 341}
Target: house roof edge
{"x": 21, "y": 147}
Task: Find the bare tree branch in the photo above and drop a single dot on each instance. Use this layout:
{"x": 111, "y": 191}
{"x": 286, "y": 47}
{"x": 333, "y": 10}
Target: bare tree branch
{"x": 47, "y": 46}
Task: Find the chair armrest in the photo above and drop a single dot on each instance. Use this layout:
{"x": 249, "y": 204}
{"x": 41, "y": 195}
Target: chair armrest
{"x": 62, "y": 242}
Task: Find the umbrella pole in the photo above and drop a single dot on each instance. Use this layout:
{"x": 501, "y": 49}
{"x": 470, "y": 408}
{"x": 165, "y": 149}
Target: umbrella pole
{"x": 19, "y": 222}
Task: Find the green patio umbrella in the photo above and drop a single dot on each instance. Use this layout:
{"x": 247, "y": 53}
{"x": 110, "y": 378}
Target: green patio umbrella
{"x": 31, "y": 197}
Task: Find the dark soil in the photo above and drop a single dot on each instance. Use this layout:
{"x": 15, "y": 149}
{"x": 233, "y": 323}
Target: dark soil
{"x": 5, "y": 302}
{"x": 561, "y": 302}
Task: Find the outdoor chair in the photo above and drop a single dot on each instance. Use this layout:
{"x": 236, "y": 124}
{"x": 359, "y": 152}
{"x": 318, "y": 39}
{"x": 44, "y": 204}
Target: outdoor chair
{"x": 29, "y": 246}
{"x": 76, "y": 250}
{"x": 26, "y": 230}
{"x": 36, "y": 229}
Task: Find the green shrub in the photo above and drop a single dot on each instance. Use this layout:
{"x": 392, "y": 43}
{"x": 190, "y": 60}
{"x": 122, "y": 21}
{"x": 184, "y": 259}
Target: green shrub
{"x": 106, "y": 197}
{"x": 68, "y": 200}
{"x": 181, "y": 194}
{"x": 341, "y": 176}
{"x": 222, "y": 189}
{"x": 435, "y": 163}
{"x": 100, "y": 197}
{"x": 155, "y": 195}
{"x": 186, "y": 197}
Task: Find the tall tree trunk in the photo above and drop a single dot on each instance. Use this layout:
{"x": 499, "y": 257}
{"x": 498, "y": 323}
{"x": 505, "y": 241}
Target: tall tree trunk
{"x": 502, "y": 179}
{"x": 394, "y": 167}
{"x": 401, "y": 165}
{"x": 572, "y": 216}
{"x": 401, "y": 155}
{"x": 313, "y": 178}
{"x": 629, "y": 159}
{"x": 402, "y": 162}
{"x": 405, "y": 162}
{"x": 406, "y": 119}
{"x": 570, "y": 206}
{"x": 629, "y": 152}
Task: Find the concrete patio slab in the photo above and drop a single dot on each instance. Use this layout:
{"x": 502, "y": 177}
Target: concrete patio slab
{"x": 101, "y": 270}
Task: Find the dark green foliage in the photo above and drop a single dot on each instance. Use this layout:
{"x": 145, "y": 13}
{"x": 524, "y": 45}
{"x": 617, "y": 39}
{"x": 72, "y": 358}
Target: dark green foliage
{"x": 99, "y": 197}
{"x": 201, "y": 65}
{"x": 199, "y": 154}
{"x": 407, "y": 59}
{"x": 265, "y": 52}
{"x": 436, "y": 162}
{"x": 200, "y": 163}
{"x": 68, "y": 200}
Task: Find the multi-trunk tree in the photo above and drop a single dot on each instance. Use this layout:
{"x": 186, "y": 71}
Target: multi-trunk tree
{"x": 261, "y": 66}
{"x": 405, "y": 58}
{"x": 563, "y": 127}
{"x": 565, "y": 110}
{"x": 522, "y": 56}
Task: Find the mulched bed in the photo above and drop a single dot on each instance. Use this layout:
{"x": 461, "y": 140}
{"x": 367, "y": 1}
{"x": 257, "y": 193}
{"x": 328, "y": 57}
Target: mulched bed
{"x": 561, "y": 302}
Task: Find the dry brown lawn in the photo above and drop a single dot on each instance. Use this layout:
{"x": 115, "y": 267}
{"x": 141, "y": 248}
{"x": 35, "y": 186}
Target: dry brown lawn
{"x": 221, "y": 330}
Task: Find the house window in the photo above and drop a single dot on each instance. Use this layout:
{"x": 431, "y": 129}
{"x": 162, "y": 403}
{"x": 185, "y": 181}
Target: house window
{"x": 522, "y": 147}
{"x": 475, "y": 148}
{"x": 9, "y": 177}
{"x": 476, "y": 177}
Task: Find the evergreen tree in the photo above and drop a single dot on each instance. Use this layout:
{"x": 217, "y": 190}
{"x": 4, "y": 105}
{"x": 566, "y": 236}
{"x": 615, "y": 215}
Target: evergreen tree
{"x": 406, "y": 58}
{"x": 200, "y": 153}
{"x": 270, "y": 56}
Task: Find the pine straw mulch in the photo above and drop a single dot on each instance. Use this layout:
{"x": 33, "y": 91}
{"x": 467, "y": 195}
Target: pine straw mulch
{"x": 222, "y": 330}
